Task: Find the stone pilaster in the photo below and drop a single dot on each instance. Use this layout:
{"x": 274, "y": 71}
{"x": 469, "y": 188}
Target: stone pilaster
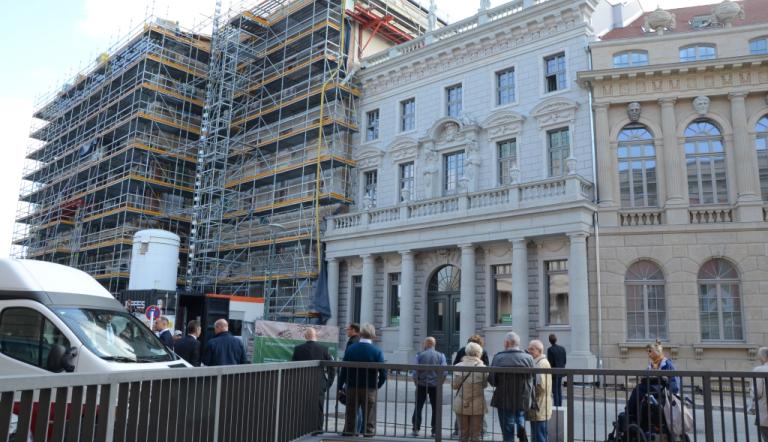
{"x": 748, "y": 202}
{"x": 674, "y": 166}
{"x": 366, "y": 300}
{"x": 578, "y": 304}
{"x": 405, "y": 331}
{"x": 333, "y": 290}
{"x": 520, "y": 288}
{"x": 467, "y": 301}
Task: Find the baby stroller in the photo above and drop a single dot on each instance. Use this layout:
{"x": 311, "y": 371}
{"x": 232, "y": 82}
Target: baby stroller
{"x": 643, "y": 419}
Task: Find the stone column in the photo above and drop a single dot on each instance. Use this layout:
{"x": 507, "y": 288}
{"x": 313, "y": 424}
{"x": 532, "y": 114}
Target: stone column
{"x": 366, "y": 300}
{"x": 674, "y": 166}
{"x": 745, "y": 155}
{"x": 407, "y": 305}
{"x": 520, "y": 288}
{"x": 333, "y": 290}
{"x": 605, "y": 171}
{"x": 578, "y": 305}
{"x": 467, "y": 301}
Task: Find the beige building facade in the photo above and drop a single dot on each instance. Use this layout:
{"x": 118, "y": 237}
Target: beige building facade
{"x": 680, "y": 102}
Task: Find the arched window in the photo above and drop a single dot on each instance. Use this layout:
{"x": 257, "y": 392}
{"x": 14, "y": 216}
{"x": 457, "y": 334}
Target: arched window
{"x": 646, "y": 305}
{"x": 698, "y": 52}
{"x": 762, "y": 154}
{"x": 705, "y": 161}
{"x": 447, "y": 279}
{"x": 637, "y": 167}
{"x": 630, "y": 58}
{"x": 720, "y": 301}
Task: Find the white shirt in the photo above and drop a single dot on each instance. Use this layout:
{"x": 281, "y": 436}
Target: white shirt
{"x": 366, "y": 341}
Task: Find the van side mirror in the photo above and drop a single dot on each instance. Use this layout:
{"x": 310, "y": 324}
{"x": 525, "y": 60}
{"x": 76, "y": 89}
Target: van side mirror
{"x": 61, "y": 359}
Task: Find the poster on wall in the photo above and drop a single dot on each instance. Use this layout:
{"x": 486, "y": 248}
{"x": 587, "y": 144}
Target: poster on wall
{"x": 274, "y": 341}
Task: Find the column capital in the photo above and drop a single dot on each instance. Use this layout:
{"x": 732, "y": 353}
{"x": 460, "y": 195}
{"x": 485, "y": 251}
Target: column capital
{"x": 578, "y": 236}
{"x": 467, "y": 246}
{"x": 518, "y": 241}
{"x": 368, "y": 256}
{"x": 667, "y": 101}
{"x": 406, "y": 253}
{"x": 331, "y": 259}
{"x": 603, "y": 107}
{"x": 737, "y": 95}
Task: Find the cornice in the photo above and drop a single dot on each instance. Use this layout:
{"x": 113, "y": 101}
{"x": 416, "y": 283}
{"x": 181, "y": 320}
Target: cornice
{"x": 674, "y": 36}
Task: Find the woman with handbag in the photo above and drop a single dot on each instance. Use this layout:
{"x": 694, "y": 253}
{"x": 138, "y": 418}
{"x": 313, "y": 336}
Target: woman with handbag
{"x": 469, "y": 398}
{"x": 541, "y": 403}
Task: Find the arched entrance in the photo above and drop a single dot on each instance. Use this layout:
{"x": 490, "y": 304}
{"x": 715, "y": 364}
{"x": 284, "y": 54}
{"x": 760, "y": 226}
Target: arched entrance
{"x": 443, "y": 315}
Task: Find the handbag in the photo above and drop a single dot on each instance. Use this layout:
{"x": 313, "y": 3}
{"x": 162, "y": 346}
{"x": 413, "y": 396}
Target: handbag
{"x": 677, "y": 414}
{"x": 341, "y": 396}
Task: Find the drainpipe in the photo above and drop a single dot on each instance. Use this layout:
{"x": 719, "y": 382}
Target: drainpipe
{"x": 595, "y": 219}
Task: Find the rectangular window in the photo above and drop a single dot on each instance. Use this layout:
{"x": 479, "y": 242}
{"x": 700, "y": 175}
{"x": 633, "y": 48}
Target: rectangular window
{"x": 372, "y": 125}
{"x": 394, "y": 299}
{"x": 371, "y": 178}
{"x": 507, "y": 160}
{"x": 555, "y": 78}
{"x": 759, "y": 46}
{"x": 406, "y": 181}
{"x": 505, "y": 87}
{"x": 453, "y": 101}
{"x": 559, "y": 149}
{"x": 556, "y": 285}
{"x": 408, "y": 115}
{"x": 453, "y": 171}
{"x": 630, "y": 58}
{"x": 357, "y": 297}
{"x": 502, "y": 293}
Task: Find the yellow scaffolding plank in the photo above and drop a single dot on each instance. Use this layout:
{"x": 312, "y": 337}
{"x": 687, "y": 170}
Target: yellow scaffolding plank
{"x": 108, "y": 243}
{"x": 136, "y": 210}
{"x": 205, "y": 46}
{"x": 286, "y": 168}
{"x": 263, "y": 278}
{"x": 165, "y": 91}
{"x": 286, "y": 42}
{"x": 112, "y": 275}
{"x": 177, "y": 65}
{"x": 253, "y": 17}
{"x": 288, "y": 202}
{"x": 158, "y": 119}
{"x": 264, "y": 242}
{"x": 325, "y": 122}
{"x": 48, "y": 250}
{"x": 142, "y": 146}
{"x": 285, "y": 72}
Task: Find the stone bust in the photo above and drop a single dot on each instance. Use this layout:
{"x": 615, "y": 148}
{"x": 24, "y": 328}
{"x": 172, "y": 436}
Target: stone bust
{"x": 701, "y": 104}
{"x": 633, "y": 111}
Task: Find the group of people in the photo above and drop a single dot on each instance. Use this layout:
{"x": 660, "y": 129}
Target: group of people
{"x": 222, "y": 349}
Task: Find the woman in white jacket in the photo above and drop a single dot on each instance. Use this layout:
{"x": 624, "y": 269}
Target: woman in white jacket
{"x": 469, "y": 399}
{"x": 759, "y": 404}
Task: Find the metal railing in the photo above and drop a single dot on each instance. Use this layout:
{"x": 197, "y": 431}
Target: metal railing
{"x": 282, "y": 402}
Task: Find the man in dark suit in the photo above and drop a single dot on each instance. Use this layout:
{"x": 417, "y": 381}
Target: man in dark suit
{"x": 163, "y": 330}
{"x": 353, "y": 334}
{"x": 312, "y": 351}
{"x": 223, "y": 349}
{"x": 556, "y": 358}
{"x": 188, "y": 347}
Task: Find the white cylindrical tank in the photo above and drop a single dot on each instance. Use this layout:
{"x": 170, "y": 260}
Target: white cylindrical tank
{"x": 154, "y": 260}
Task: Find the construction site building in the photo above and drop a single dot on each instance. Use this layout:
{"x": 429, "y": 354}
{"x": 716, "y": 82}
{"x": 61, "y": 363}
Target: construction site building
{"x": 117, "y": 154}
{"x": 275, "y": 154}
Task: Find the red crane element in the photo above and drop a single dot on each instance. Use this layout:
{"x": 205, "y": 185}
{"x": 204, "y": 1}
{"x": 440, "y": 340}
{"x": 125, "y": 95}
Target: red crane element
{"x": 379, "y": 25}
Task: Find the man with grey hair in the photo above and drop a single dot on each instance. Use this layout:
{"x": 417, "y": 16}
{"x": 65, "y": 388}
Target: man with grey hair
{"x": 540, "y": 415}
{"x": 426, "y": 383}
{"x": 361, "y": 384}
{"x": 512, "y": 397}
{"x": 759, "y": 396}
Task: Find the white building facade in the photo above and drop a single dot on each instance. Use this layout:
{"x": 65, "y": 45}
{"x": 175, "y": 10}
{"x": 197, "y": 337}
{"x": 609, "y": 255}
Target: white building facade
{"x": 474, "y": 190}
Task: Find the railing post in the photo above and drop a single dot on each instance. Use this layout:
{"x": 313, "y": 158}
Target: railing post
{"x": 569, "y": 411}
{"x": 439, "y": 407}
{"x": 110, "y": 432}
{"x": 216, "y": 412}
{"x": 709, "y": 433}
{"x": 277, "y": 405}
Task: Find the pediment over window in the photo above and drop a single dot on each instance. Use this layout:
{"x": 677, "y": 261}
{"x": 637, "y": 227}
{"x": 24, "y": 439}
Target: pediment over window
{"x": 403, "y": 148}
{"x": 555, "y": 112}
{"x": 446, "y": 130}
{"x": 503, "y": 124}
{"x": 368, "y": 157}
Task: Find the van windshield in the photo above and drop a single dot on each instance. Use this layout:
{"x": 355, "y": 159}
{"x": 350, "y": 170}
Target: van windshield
{"x": 114, "y": 335}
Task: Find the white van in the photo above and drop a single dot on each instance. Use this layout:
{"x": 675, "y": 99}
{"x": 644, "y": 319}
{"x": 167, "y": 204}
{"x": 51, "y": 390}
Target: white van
{"x": 54, "y": 318}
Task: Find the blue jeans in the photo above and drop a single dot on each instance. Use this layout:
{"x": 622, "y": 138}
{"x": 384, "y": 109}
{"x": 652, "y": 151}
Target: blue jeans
{"x": 511, "y": 422}
{"x": 539, "y": 431}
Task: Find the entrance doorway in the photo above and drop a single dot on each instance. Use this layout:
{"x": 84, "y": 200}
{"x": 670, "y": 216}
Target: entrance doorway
{"x": 443, "y": 314}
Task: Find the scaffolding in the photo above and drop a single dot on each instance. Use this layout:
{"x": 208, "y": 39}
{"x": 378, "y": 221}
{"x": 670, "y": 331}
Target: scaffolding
{"x": 275, "y": 154}
{"x": 117, "y": 154}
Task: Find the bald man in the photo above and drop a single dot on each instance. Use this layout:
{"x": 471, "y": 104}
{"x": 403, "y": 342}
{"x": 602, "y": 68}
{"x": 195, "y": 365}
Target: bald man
{"x": 426, "y": 383}
{"x": 223, "y": 349}
{"x": 312, "y": 351}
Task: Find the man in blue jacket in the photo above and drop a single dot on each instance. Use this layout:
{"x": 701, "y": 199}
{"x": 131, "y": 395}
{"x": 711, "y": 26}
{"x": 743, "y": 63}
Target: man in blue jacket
{"x": 427, "y": 383}
{"x": 361, "y": 384}
{"x": 223, "y": 349}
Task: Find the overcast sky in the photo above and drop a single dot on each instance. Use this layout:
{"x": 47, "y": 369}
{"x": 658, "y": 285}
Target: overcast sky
{"x": 43, "y": 43}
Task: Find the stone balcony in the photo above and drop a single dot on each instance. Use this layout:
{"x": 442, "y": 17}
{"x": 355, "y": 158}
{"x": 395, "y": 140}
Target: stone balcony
{"x": 501, "y": 200}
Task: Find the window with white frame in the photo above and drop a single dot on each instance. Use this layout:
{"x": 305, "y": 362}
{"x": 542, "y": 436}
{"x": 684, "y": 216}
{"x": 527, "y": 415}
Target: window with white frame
{"x": 698, "y": 52}
{"x": 453, "y": 172}
{"x": 372, "y": 125}
{"x": 502, "y": 293}
{"x": 408, "y": 115}
{"x": 394, "y": 299}
{"x": 453, "y": 100}
{"x": 646, "y": 303}
{"x": 554, "y": 68}
{"x": 558, "y": 147}
{"x": 357, "y": 297}
{"x": 556, "y": 285}
{"x": 507, "y": 159}
{"x": 761, "y": 132}
{"x": 758, "y": 46}
{"x": 505, "y": 87}
{"x": 637, "y": 167}
{"x": 705, "y": 163}
{"x": 720, "y": 301}
{"x": 630, "y": 58}
{"x": 406, "y": 181}
{"x": 371, "y": 180}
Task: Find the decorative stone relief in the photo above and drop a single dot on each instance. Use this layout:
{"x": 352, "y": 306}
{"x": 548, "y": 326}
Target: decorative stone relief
{"x": 403, "y": 148}
{"x": 555, "y": 112}
{"x": 701, "y": 104}
{"x": 471, "y": 166}
{"x": 634, "y": 109}
{"x": 503, "y": 124}
{"x": 431, "y": 170}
